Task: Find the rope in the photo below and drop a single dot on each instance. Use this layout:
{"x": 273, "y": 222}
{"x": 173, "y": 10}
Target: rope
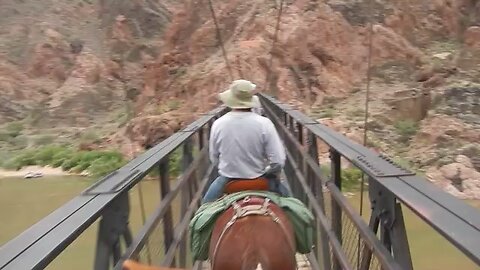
{"x": 365, "y": 123}
{"x": 219, "y": 39}
{"x": 275, "y": 37}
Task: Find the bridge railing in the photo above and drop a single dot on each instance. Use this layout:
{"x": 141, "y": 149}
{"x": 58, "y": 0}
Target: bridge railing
{"x": 345, "y": 240}
{"x": 162, "y": 238}
{"x": 161, "y": 241}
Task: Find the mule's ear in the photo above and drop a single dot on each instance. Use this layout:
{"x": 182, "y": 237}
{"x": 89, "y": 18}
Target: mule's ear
{"x": 132, "y": 265}
{"x": 127, "y": 265}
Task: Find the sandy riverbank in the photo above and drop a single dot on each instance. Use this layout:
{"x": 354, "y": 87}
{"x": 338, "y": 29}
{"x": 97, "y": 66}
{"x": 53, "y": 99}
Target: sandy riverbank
{"x": 46, "y": 171}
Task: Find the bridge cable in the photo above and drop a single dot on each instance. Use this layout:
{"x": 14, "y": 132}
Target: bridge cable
{"x": 224, "y": 52}
{"x": 275, "y": 37}
{"x": 367, "y": 100}
{"x": 140, "y": 193}
{"x": 142, "y": 211}
{"x": 130, "y": 116}
{"x": 219, "y": 39}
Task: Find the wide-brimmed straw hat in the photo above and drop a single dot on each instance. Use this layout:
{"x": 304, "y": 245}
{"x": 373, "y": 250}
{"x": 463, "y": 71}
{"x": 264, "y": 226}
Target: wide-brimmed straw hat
{"x": 240, "y": 95}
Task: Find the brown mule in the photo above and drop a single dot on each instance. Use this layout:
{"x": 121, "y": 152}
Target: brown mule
{"x": 253, "y": 233}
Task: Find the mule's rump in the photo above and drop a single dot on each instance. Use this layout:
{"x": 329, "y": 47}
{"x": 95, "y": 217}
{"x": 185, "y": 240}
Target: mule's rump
{"x": 203, "y": 222}
{"x": 253, "y": 240}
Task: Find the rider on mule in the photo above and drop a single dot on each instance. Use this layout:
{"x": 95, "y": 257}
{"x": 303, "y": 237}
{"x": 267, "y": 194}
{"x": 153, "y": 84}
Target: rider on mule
{"x": 245, "y": 144}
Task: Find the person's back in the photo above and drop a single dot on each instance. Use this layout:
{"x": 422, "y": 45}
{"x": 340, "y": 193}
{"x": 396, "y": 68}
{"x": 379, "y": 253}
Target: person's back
{"x": 243, "y": 142}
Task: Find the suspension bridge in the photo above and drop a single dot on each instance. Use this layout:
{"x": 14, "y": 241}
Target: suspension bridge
{"x": 345, "y": 237}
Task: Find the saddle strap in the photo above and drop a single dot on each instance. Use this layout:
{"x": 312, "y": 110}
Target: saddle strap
{"x": 248, "y": 210}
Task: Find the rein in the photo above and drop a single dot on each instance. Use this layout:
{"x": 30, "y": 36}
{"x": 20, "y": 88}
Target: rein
{"x": 248, "y": 210}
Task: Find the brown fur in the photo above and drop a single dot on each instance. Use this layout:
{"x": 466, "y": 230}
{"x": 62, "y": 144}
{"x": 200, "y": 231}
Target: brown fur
{"x": 252, "y": 240}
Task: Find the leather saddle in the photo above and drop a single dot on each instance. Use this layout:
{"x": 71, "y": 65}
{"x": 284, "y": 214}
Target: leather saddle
{"x": 238, "y": 185}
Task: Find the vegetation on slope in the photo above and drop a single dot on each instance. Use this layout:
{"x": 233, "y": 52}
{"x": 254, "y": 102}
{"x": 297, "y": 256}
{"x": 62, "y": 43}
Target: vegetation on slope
{"x": 96, "y": 163}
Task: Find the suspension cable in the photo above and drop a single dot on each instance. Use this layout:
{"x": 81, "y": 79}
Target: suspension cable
{"x": 367, "y": 94}
{"x": 270, "y": 61}
{"x": 367, "y": 100}
{"x": 219, "y": 39}
{"x": 131, "y": 115}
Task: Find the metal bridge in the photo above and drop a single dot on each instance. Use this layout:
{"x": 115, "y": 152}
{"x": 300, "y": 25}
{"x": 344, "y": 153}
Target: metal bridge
{"x": 345, "y": 240}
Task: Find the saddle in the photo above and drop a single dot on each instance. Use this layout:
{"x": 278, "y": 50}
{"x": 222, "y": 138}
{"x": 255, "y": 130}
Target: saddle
{"x": 238, "y": 185}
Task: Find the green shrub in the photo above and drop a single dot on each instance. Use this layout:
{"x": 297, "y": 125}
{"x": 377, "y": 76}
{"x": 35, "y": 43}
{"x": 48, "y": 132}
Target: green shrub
{"x": 173, "y": 104}
{"x": 14, "y": 129}
{"x": 175, "y": 163}
{"x": 43, "y": 140}
{"x": 81, "y": 167}
{"x": 89, "y": 137}
{"x": 4, "y": 137}
{"x": 3, "y": 157}
{"x": 19, "y": 142}
{"x": 97, "y": 163}
{"x": 356, "y": 113}
{"x": 327, "y": 113}
{"x": 25, "y": 158}
{"x": 402, "y": 162}
{"x": 60, "y": 156}
{"x": 45, "y": 155}
{"x": 73, "y": 161}
{"x": 351, "y": 177}
{"x": 406, "y": 129}
{"x": 105, "y": 165}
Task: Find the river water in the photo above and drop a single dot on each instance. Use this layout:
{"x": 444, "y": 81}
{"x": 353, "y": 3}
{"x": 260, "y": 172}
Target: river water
{"x": 24, "y": 202}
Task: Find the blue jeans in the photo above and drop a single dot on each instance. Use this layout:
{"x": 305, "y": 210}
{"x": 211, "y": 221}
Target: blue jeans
{"x": 216, "y": 188}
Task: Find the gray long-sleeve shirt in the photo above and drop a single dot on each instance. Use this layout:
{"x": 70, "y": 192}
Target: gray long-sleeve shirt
{"x": 243, "y": 144}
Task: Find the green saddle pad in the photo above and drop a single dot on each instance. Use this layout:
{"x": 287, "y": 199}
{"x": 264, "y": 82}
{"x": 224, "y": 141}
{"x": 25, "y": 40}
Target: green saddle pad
{"x": 201, "y": 225}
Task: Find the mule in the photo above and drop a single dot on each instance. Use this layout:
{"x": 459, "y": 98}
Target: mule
{"x": 253, "y": 234}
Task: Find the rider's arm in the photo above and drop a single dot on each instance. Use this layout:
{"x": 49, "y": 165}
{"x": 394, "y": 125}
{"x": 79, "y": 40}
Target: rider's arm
{"x": 213, "y": 146}
{"x": 274, "y": 146}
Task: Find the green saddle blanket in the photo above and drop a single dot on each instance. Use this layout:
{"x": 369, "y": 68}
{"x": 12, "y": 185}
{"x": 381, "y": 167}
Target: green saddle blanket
{"x": 201, "y": 225}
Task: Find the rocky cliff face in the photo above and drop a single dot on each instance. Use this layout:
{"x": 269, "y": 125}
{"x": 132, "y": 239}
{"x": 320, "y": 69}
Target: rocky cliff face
{"x": 98, "y": 63}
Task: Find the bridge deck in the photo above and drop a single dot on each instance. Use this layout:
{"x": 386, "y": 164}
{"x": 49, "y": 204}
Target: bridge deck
{"x": 302, "y": 263}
